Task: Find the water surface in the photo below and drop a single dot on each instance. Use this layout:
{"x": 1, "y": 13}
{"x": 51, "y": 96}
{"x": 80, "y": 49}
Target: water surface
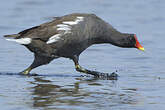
{"x": 58, "y": 86}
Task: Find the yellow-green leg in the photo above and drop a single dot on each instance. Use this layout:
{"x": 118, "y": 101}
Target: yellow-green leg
{"x": 83, "y": 70}
{"x": 38, "y": 61}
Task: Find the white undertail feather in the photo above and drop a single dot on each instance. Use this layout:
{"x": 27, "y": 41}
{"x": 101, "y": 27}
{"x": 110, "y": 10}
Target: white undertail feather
{"x": 24, "y": 41}
{"x": 54, "y": 38}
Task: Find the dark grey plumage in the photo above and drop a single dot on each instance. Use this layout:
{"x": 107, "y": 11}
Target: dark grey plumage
{"x": 72, "y": 33}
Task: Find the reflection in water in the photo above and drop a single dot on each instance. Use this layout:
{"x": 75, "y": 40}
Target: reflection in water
{"x": 43, "y": 92}
{"x": 47, "y": 94}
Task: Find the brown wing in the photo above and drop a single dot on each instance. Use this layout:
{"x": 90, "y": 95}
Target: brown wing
{"x": 42, "y": 32}
{"x": 46, "y": 30}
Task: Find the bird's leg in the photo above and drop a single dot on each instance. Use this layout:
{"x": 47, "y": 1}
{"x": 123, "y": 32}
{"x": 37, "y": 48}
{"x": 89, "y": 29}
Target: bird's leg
{"x": 81, "y": 69}
{"x": 97, "y": 74}
{"x": 27, "y": 70}
{"x": 38, "y": 61}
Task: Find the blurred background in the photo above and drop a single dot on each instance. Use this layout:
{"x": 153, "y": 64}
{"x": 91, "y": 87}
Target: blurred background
{"x": 142, "y": 79}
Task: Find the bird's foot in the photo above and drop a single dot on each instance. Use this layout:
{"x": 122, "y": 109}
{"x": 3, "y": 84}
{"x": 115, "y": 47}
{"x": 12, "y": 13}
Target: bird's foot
{"x": 26, "y": 71}
{"x": 28, "y": 74}
{"x": 34, "y": 74}
{"x": 100, "y": 75}
{"x": 112, "y": 76}
{"x": 96, "y": 74}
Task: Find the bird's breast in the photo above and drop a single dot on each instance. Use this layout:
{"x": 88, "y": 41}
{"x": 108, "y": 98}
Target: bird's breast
{"x": 71, "y": 47}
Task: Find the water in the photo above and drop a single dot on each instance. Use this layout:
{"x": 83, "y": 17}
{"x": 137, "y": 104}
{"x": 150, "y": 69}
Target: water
{"x": 142, "y": 79}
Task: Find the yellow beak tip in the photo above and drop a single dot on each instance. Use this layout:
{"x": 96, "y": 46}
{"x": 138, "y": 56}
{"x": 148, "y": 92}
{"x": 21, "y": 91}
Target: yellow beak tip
{"x": 142, "y": 49}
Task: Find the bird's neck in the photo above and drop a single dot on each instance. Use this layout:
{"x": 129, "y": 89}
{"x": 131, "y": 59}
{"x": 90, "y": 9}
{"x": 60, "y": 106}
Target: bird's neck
{"x": 114, "y": 37}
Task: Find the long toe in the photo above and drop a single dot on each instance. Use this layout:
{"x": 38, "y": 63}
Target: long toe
{"x": 33, "y": 74}
{"x": 112, "y": 76}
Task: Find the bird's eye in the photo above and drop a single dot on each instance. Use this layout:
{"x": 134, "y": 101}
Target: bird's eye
{"x": 129, "y": 38}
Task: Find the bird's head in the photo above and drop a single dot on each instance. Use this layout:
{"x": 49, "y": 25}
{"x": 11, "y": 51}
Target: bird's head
{"x": 126, "y": 40}
{"x": 137, "y": 44}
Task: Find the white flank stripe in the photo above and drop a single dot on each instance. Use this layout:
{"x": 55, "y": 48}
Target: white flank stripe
{"x": 79, "y": 18}
{"x": 70, "y": 22}
{"x": 54, "y": 38}
{"x": 63, "y": 25}
{"x": 24, "y": 41}
{"x": 63, "y": 29}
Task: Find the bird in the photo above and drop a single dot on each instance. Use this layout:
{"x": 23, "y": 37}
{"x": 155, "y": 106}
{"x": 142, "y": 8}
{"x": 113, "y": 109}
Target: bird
{"x": 68, "y": 36}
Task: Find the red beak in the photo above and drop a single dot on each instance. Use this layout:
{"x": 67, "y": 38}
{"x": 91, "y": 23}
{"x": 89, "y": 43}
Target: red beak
{"x": 138, "y": 45}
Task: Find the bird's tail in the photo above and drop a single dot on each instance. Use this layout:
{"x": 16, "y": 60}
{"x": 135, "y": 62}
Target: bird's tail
{"x": 15, "y": 38}
{"x": 12, "y": 36}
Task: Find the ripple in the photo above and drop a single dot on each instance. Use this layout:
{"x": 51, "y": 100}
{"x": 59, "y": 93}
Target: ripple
{"x": 48, "y": 75}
